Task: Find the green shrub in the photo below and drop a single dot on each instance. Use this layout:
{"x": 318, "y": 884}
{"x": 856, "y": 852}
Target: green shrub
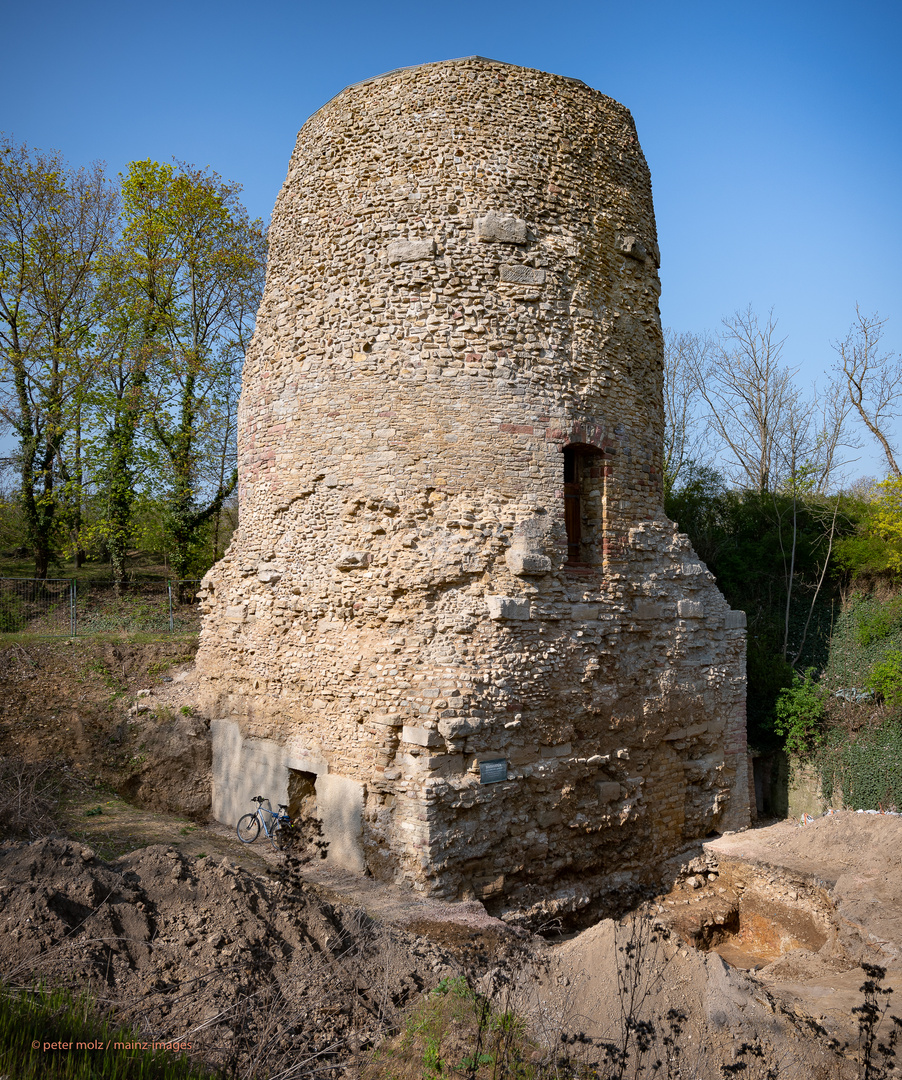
{"x": 878, "y": 623}
{"x": 886, "y": 679}
{"x": 799, "y": 714}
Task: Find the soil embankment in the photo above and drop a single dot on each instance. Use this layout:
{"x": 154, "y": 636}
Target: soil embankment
{"x": 115, "y": 711}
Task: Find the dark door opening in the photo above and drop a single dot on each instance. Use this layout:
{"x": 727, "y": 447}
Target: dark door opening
{"x": 572, "y": 503}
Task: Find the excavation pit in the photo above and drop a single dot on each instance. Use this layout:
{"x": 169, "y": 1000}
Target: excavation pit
{"x": 750, "y": 916}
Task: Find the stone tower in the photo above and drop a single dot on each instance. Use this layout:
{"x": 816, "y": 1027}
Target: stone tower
{"x": 454, "y": 621}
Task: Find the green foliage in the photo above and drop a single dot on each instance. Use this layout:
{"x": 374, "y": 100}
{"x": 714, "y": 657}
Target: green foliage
{"x": 800, "y": 714}
{"x": 886, "y": 679}
{"x": 862, "y": 637}
{"x": 873, "y": 548}
{"x": 32, "y": 1021}
{"x": 866, "y": 767}
{"x": 745, "y": 539}
{"x": 878, "y": 623}
{"x": 124, "y": 319}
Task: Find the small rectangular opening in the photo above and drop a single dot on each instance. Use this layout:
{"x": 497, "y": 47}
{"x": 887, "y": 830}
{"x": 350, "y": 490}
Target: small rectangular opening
{"x": 572, "y": 503}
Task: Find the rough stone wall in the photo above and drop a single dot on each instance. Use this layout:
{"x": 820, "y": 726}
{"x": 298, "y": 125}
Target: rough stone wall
{"x": 463, "y": 283}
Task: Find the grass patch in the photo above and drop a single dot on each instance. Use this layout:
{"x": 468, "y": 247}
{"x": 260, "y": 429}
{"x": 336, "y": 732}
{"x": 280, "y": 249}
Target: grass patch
{"x": 88, "y": 1046}
{"x": 455, "y": 1031}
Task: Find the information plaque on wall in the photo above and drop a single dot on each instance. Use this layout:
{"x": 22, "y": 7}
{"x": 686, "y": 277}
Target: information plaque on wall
{"x": 490, "y": 772}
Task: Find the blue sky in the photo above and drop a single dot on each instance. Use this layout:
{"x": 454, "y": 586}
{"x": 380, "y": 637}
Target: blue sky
{"x": 772, "y": 129}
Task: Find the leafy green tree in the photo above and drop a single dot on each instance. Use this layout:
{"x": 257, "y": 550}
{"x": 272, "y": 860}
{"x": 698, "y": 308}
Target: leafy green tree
{"x": 56, "y": 224}
{"x": 184, "y": 283}
{"x": 198, "y": 268}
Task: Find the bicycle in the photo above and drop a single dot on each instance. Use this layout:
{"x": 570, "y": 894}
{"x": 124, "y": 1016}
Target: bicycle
{"x": 277, "y": 829}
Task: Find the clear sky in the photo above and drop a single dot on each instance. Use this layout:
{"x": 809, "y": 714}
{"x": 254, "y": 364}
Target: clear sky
{"x": 772, "y": 129}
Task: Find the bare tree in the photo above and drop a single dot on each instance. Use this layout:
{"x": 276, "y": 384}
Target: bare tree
{"x": 750, "y": 396}
{"x": 684, "y": 428}
{"x": 873, "y": 379}
{"x": 829, "y": 413}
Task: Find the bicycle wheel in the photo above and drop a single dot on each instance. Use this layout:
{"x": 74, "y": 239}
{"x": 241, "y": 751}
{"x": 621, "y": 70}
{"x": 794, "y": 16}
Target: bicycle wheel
{"x": 248, "y": 828}
{"x": 280, "y": 837}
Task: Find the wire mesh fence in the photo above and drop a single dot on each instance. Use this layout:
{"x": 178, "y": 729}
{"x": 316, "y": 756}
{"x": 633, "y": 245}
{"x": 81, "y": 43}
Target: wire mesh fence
{"x": 63, "y": 607}
{"x": 37, "y": 606}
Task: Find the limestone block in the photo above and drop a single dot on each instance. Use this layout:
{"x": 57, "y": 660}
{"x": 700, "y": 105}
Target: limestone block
{"x": 690, "y": 609}
{"x": 234, "y": 613}
{"x": 507, "y": 607}
{"x": 420, "y": 736}
{"x": 268, "y": 574}
{"x": 486, "y": 887}
{"x": 735, "y": 620}
{"x": 521, "y": 275}
{"x": 632, "y": 246}
{"x": 352, "y": 560}
{"x": 390, "y": 720}
{"x": 339, "y": 805}
{"x": 445, "y": 764}
{"x": 686, "y": 733}
{"x": 607, "y": 791}
{"x": 644, "y": 609}
{"x": 303, "y": 762}
{"x": 400, "y": 251}
{"x": 525, "y": 563}
{"x": 585, "y": 612}
{"x": 501, "y": 227}
{"x": 458, "y": 727}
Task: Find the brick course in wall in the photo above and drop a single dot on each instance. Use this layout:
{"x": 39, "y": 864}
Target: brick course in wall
{"x": 463, "y": 283}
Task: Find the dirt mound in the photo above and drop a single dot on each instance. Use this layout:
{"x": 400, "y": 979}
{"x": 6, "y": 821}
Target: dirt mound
{"x": 120, "y": 712}
{"x": 210, "y": 954}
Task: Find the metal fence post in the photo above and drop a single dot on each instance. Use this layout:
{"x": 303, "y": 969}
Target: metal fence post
{"x": 169, "y": 587}
{"x": 73, "y": 608}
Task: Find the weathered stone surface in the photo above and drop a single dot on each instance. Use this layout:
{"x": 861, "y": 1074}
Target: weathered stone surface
{"x": 690, "y": 609}
{"x": 504, "y": 228}
{"x": 507, "y": 607}
{"x": 521, "y": 275}
{"x": 401, "y": 251}
{"x": 339, "y": 805}
{"x": 524, "y": 563}
{"x": 608, "y": 791}
{"x": 420, "y": 736}
{"x": 632, "y": 246}
{"x": 402, "y": 565}
{"x": 735, "y": 620}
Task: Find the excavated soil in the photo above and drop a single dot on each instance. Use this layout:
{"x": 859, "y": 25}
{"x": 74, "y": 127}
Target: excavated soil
{"x": 195, "y": 937}
{"x": 226, "y": 959}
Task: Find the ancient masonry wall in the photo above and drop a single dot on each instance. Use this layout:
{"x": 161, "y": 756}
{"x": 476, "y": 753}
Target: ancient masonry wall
{"x": 459, "y": 352}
